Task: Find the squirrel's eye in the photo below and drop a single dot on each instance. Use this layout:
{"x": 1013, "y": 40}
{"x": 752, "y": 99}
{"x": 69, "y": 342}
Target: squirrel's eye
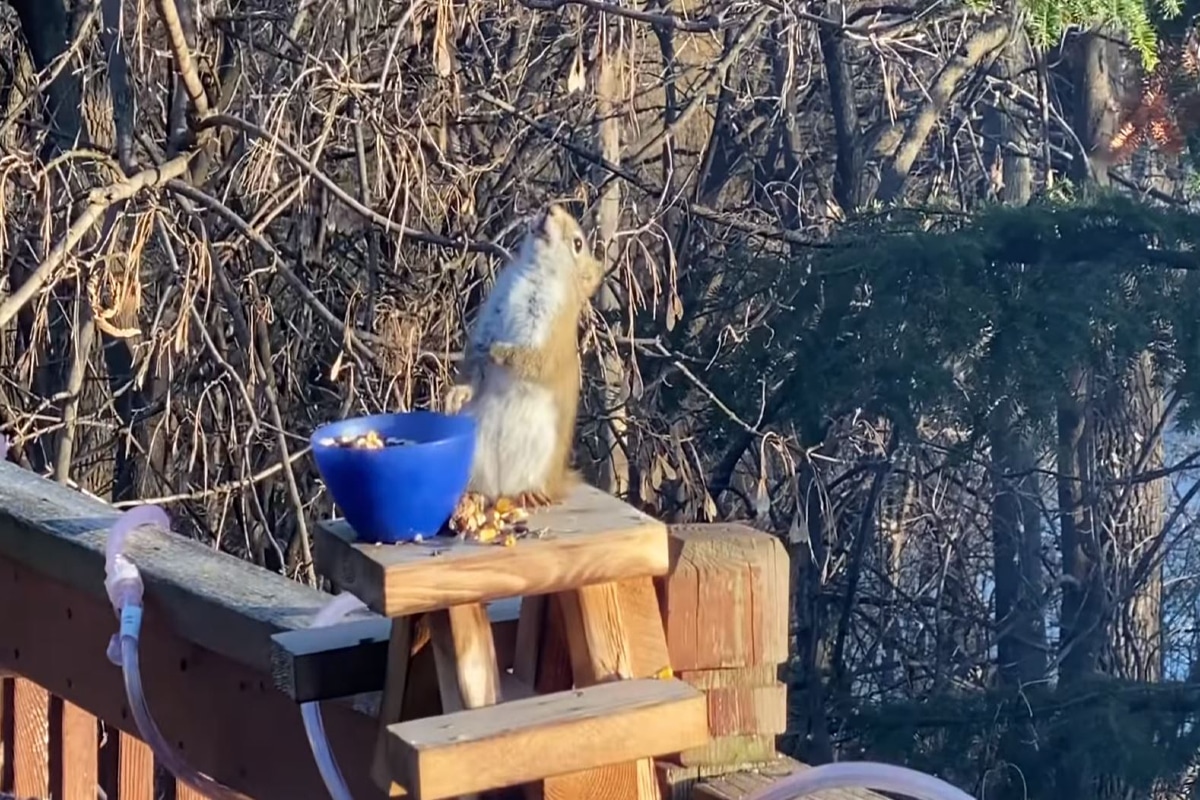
{"x": 578, "y": 245}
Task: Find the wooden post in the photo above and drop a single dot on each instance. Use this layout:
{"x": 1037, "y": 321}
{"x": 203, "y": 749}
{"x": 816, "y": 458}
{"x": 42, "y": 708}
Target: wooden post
{"x": 725, "y": 608}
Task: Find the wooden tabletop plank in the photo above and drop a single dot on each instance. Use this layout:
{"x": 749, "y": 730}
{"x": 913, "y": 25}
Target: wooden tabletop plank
{"x": 590, "y": 538}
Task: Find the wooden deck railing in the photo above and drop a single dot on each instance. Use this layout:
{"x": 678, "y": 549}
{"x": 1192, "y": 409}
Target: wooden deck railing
{"x": 50, "y": 747}
{"x": 205, "y": 653}
{"x": 226, "y": 695}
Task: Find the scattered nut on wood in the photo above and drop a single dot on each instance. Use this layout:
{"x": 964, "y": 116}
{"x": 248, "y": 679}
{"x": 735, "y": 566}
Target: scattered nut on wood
{"x": 501, "y": 523}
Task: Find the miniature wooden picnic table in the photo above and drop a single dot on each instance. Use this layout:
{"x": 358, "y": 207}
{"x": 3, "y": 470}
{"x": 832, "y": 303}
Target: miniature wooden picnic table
{"x": 584, "y": 732}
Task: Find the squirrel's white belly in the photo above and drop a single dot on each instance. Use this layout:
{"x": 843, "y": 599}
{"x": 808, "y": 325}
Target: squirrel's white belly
{"x": 516, "y": 426}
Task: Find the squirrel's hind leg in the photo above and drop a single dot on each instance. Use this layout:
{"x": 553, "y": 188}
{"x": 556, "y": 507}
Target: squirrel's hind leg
{"x": 533, "y": 499}
{"x": 556, "y": 490}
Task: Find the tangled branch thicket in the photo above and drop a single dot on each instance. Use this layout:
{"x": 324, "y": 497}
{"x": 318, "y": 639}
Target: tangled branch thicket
{"x": 225, "y": 223}
{"x": 311, "y": 242}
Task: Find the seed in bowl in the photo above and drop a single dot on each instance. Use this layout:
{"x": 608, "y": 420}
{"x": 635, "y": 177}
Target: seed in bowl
{"x": 370, "y": 440}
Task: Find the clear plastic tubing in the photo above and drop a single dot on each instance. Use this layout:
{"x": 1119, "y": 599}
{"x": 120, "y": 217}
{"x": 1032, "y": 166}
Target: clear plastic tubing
{"x": 123, "y": 582}
{"x": 314, "y": 726}
{"x": 861, "y": 775}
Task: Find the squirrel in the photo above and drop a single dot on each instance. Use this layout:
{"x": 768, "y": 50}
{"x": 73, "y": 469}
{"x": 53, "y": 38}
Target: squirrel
{"x": 520, "y": 373}
{"x": 521, "y": 370}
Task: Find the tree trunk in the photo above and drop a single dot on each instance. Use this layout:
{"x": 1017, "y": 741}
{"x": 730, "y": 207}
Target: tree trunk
{"x": 1109, "y": 433}
{"x": 1015, "y": 503}
{"x": 808, "y": 724}
{"x": 45, "y": 26}
{"x": 1126, "y": 418}
{"x": 613, "y": 469}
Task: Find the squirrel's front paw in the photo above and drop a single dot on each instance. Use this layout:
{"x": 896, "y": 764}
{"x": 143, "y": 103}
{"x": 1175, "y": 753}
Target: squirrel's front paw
{"x": 502, "y": 354}
{"x": 457, "y": 397}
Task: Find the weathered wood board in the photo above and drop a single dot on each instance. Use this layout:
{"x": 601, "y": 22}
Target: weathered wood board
{"x": 680, "y": 783}
{"x": 730, "y": 751}
{"x": 743, "y": 784}
{"x": 215, "y": 600}
{"x": 525, "y": 739}
{"x": 590, "y": 538}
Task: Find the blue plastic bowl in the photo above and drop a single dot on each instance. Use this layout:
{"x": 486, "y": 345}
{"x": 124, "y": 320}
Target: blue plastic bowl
{"x": 400, "y": 492}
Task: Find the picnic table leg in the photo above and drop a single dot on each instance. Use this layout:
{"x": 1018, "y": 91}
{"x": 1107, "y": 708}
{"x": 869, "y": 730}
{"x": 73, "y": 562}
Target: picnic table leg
{"x": 391, "y": 708}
